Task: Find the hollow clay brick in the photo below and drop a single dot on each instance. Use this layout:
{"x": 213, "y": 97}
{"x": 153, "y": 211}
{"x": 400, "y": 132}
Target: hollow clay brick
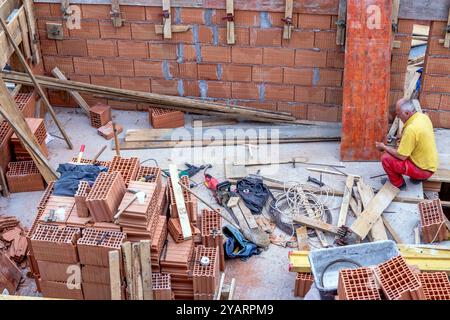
{"x": 24, "y": 176}
{"x": 436, "y": 285}
{"x": 206, "y": 277}
{"x": 94, "y": 246}
{"x": 303, "y": 283}
{"x": 432, "y": 221}
{"x": 100, "y": 115}
{"x": 128, "y": 167}
{"x": 165, "y": 118}
{"x": 358, "y": 284}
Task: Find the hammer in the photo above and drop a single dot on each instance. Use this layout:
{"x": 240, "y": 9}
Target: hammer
{"x": 140, "y": 195}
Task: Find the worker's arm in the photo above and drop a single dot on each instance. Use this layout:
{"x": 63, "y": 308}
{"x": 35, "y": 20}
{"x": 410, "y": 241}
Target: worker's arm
{"x": 392, "y": 151}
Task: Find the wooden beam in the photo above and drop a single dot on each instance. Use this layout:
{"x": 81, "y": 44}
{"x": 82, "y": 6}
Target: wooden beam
{"x": 251, "y": 222}
{"x": 12, "y": 114}
{"x": 447, "y": 34}
{"x": 167, "y": 19}
{"x": 36, "y": 84}
{"x": 24, "y": 29}
{"x": 128, "y": 264}
{"x": 116, "y": 14}
{"x": 346, "y": 200}
{"x": 395, "y": 10}
{"x": 146, "y": 267}
{"x": 159, "y": 28}
{"x": 341, "y": 23}
{"x": 230, "y": 22}
{"x": 316, "y": 224}
{"x": 14, "y": 29}
{"x": 302, "y": 238}
{"x": 287, "y": 29}
{"x": 75, "y": 95}
{"x": 374, "y": 209}
{"x": 179, "y": 201}
{"x": 114, "y": 275}
{"x": 32, "y": 30}
{"x": 366, "y": 80}
{"x": 137, "y": 275}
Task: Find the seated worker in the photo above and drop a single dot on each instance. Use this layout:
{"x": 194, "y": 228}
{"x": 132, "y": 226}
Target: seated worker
{"x": 416, "y": 156}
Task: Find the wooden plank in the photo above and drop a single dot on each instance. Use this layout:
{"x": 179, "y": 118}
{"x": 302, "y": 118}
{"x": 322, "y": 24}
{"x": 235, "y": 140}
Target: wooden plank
{"x": 167, "y": 19}
{"x": 10, "y": 275}
{"x": 391, "y": 230}
{"x": 232, "y": 289}
{"x": 32, "y": 30}
{"x": 159, "y": 28}
{"x": 219, "y": 290}
{"x": 75, "y": 95}
{"x": 12, "y": 114}
{"x": 424, "y": 10}
{"x": 316, "y": 224}
{"x": 128, "y": 264}
{"x": 341, "y": 22}
{"x": 24, "y": 29}
{"x": 179, "y": 200}
{"x": 378, "y": 232}
{"x": 412, "y": 85}
{"x": 447, "y": 34}
{"x": 416, "y": 235}
{"x": 137, "y": 275}
{"x": 114, "y": 275}
{"x": 395, "y": 10}
{"x": 116, "y": 14}
{"x": 374, "y": 209}
{"x": 14, "y": 29}
{"x": 346, "y": 200}
{"x": 367, "y": 78}
{"x": 230, "y": 22}
{"x": 302, "y": 238}
{"x": 251, "y": 222}
{"x": 326, "y": 171}
{"x": 146, "y": 267}
{"x": 287, "y": 29}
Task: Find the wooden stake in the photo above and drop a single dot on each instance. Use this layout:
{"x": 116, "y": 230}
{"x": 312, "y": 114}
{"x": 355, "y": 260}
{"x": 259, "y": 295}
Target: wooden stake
{"x": 167, "y": 19}
{"x": 395, "y": 10}
{"x": 287, "y": 31}
{"x": 5, "y": 191}
{"x": 146, "y": 267}
{"x": 98, "y": 154}
{"x": 36, "y": 84}
{"x": 159, "y": 28}
{"x": 345, "y": 201}
{"x": 116, "y": 140}
{"x": 230, "y": 22}
{"x": 116, "y": 15}
{"x": 302, "y": 238}
{"x": 75, "y": 95}
{"x": 179, "y": 201}
{"x": 137, "y": 276}
{"x": 341, "y": 22}
{"x": 128, "y": 263}
{"x": 114, "y": 275}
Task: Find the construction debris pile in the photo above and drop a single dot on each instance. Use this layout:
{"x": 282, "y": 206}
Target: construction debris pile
{"x": 125, "y": 207}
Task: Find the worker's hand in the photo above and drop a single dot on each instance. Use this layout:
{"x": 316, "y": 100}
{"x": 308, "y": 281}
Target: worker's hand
{"x": 380, "y": 146}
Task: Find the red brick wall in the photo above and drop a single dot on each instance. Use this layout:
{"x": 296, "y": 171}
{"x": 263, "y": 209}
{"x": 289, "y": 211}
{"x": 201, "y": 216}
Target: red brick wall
{"x": 302, "y": 75}
{"x": 435, "y": 93}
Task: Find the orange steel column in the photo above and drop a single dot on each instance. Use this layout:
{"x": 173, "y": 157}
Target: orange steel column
{"x": 366, "y": 78}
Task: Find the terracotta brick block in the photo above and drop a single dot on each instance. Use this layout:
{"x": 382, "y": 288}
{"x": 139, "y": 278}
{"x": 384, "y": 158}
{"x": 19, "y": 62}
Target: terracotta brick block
{"x": 169, "y": 87}
{"x": 217, "y": 16}
{"x": 436, "y": 285}
{"x": 133, "y": 49}
{"x": 205, "y": 34}
{"x": 108, "y": 31}
{"x": 185, "y": 37}
{"x": 55, "y": 289}
{"x": 267, "y": 74}
{"x": 100, "y": 114}
{"x": 310, "y": 58}
{"x": 434, "y": 117}
{"x": 430, "y": 100}
{"x": 219, "y": 89}
{"x": 432, "y": 221}
{"x": 208, "y": 72}
{"x": 303, "y": 283}
{"x": 335, "y": 60}
{"x": 133, "y": 13}
{"x": 399, "y": 63}
{"x": 189, "y": 53}
{"x": 275, "y": 19}
{"x": 42, "y": 10}
{"x": 216, "y": 54}
{"x": 232, "y": 72}
{"x": 119, "y": 67}
{"x": 244, "y": 91}
{"x": 188, "y": 70}
{"x": 325, "y": 40}
{"x": 405, "y": 44}
{"x": 445, "y": 102}
{"x": 191, "y": 88}
{"x": 146, "y": 68}
{"x": 444, "y": 119}
{"x": 405, "y": 26}
{"x": 241, "y": 35}
{"x": 298, "y": 110}
{"x": 314, "y": 21}
{"x": 357, "y": 284}
{"x": 88, "y": 66}
{"x": 437, "y": 28}
{"x": 96, "y": 11}
{"x": 247, "y": 55}
{"x": 310, "y": 94}
{"x": 397, "y": 81}
{"x": 102, "y": 48}
{"x": 107, "y": 81}
{"x": 438, "y": 65}
{"x": 163, "y": 51}
{"x": 65, "y": 64}
{"x": 330, "y": 78}
{"x": 107, "y": 131}
{"x": 48, "y": 47}
{"x": 333, "y": 96}
{"x": 322, "y": 113}
{"x": 153, "y": 14}
{"x": 88, "y": 30}
{"x": 144, "y": 31}
{"x": 436, "y": 84}
{"x": 94, "y": 246}
{"x": 246, "y": 18}
{"x": 278, "y": 56}
{"x": 436, "y": 48}
{"x": 55, "y": 10}
{"x": 279, "y": 92}
{"x": 24, "y": 176}
{"x": 135, "y": 83}
{"x": 298, "y": 76}
{"x": 265, "y": 37}
{"x": 192, "y": 15}
{"x": 300, "y": 40}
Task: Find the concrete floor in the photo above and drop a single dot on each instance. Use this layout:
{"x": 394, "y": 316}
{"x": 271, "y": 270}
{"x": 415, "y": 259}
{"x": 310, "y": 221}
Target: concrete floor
{"x": 261, "y": 277}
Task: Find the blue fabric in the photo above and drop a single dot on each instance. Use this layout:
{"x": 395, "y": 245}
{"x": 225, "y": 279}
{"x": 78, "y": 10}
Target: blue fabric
{"x": 72, "y": 174}
{"x": 236, "y": 245}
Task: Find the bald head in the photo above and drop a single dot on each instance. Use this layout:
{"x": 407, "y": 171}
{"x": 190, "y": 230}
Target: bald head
{"x": 404, "y": 109}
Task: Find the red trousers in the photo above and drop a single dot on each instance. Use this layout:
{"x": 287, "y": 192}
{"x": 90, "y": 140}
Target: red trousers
{"x": 395, "y": 168}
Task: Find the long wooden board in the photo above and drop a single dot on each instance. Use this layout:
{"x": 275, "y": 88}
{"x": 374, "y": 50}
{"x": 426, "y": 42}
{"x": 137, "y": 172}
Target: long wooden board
{"x": 114, "y": 275}
{"x": 179, "y": 200}
{"x": 346, "y": 200}
{"x": 146, "y": 268}
{"x": 316, "y": 224}
{"x": 374, "y": 209}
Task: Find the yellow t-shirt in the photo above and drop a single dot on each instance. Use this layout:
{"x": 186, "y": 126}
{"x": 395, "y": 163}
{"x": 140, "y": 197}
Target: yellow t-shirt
{"x": 418, "y": 142}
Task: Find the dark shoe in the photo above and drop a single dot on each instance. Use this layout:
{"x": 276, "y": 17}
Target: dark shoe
{"x": 415, "y": 181}
{"x": 403, "y": 186}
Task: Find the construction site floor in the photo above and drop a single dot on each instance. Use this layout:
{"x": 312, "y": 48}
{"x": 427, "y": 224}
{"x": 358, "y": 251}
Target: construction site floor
{"x": 264, "y": 276}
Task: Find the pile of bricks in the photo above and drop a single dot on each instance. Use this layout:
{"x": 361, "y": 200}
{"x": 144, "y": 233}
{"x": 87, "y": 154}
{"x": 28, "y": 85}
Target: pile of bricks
{"x": 206, "y": 273}
{"x": 165, "y": 118}
{"x": 189, "y": 201}
{"x": 358, "y": 284}
{"x": 100, "y": 115}
{"x": 436, "y": 285}
{"x": 26, "y": 101}
{"x": 128, "y": 168}
{"x": 177, "y": 260}
{"x": 37, "y": 127}
{"x": 211, "y": 232}
{"x": 105, "y": 196}
{"x": 80, "y": 199}
{"x": 174, "y": 228}
{"x": 89, "y": 161}
{"x": 54, "y": 249}
{"x": 107, "y": 131}
{"x": 24, "y": 176}
{"x": 303, "y": 282}
{"x": 161, "y": 286}
{"x": 58, "y": 209}
{"x": 158, "y": 242}
{"x": 432, "y": 221}
{"x": 93, "y": 249}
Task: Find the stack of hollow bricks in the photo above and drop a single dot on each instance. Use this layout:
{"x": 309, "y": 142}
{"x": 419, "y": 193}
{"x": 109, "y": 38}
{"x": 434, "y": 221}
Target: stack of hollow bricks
{"x": 24, "y": 176}
{"x": 302, "y": 75}
{"x": 205, "y": 276}
{"x": 432, "y": 221}
{"x": 303, "y": 282}
{"x": 161, "y": 285}
{"x": 435, "y": 95}
{"x": 212, "y": 236}
{"x": 37, "y": 127}
{"x": 128, "y": 167}
{"x": 189, "y": 200}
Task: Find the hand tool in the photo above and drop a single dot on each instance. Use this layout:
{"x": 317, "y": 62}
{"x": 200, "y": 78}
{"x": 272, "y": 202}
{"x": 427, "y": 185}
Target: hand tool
{"x": 80, "y": 154}
{"x": 140, "y": 195}
{"x": 116, "y": 140}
